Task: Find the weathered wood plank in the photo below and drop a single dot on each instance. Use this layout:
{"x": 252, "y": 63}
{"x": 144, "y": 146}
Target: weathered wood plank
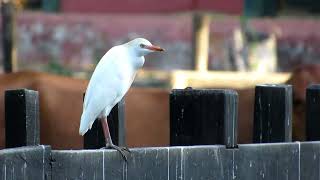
{"x": 310, "y": 161}
{"x": 267, "y": 161}
{"x": 29, "y": 162}
{"x": 249, "y": 162}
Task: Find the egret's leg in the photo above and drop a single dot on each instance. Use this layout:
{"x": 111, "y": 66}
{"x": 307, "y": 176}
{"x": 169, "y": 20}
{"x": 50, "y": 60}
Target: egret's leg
{"x": 109, "y": 143}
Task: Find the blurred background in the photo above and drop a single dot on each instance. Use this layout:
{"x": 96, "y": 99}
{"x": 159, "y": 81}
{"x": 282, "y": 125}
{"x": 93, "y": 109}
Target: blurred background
{"x": 70, "y": 36}
{"x": 209, "y": 44}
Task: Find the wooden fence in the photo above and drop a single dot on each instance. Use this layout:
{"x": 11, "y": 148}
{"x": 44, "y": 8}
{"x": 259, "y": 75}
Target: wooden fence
{"x": 203, "y": 135}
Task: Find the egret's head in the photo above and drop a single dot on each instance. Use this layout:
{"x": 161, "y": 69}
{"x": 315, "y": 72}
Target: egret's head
{"x": 143, "y": 47}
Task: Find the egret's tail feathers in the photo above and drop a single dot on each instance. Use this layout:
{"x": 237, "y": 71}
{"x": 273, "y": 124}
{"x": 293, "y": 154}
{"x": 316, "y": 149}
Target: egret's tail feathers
{"x": 82, "y": 131}
{"x": 83, "y": 128}
{"x": 85, "y": 123}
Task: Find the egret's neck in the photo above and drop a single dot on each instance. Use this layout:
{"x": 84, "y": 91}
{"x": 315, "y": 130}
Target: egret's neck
{"x": 136, "y": 60}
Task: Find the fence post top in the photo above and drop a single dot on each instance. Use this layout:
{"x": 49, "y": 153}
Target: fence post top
{"x": 274, "y": 85}
{"x": 314, "y": 86}
{"x": 20, "y": 90}
{"x": 200, "y": 91}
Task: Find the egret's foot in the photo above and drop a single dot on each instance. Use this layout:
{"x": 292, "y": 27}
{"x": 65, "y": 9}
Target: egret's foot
{"x": 126, "y": 149}
{"x": 121, "y": 150}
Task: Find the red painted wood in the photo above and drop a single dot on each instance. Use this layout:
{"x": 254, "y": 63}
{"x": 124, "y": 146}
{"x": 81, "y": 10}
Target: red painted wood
{"x": 150, "y": 6}
{"x": 225, "y": 6}
{"x": 125, "y": 6}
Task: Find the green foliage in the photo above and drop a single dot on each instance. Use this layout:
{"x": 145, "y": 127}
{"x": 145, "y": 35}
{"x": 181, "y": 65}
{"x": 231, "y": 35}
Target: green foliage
{"x": 57, "y": 68}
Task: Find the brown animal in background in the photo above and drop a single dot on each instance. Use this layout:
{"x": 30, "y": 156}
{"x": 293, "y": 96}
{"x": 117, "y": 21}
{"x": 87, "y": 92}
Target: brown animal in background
{"x": 147, "y": 109}
{"x": 245, "y": 115}
{"x": 61, "y": 106}
{"x": 302, "y": 76}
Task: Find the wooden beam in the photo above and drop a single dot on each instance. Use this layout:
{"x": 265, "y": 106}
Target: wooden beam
{"x": 224, "y": 79}
{"x": 200, "y": 41}
{"x": 8, "y": 36}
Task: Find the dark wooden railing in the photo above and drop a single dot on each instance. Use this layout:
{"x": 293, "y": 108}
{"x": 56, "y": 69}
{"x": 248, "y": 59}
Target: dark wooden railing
{"x": 203, "y": 135}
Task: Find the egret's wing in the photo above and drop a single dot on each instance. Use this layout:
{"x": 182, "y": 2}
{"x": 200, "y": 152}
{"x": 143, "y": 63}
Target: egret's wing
{"x": 102, "y": 91}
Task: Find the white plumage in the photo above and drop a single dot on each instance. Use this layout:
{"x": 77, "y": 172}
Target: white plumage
{"x": 112, "y": 78}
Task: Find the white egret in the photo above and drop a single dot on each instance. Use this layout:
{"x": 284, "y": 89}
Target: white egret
{"x": 110, "y": 81}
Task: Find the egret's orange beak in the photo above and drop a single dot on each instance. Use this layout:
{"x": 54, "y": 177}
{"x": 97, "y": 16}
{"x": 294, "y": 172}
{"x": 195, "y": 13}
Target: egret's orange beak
{"x": 154, "y": 48}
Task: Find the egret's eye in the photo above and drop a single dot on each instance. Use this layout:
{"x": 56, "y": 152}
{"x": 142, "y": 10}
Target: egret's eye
{"x": 142, "y": 45}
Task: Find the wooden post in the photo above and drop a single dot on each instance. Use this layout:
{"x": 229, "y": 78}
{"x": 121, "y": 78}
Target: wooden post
{"x": 8, "y": 34}
{"x": 199, "y": 117}
{"x": 22, "y": 118}
{"x": 201, "y": 37}
{"x": 94, "y": 138}
{"x": 313, "y": 112}
{"x": 273, "y": 114}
